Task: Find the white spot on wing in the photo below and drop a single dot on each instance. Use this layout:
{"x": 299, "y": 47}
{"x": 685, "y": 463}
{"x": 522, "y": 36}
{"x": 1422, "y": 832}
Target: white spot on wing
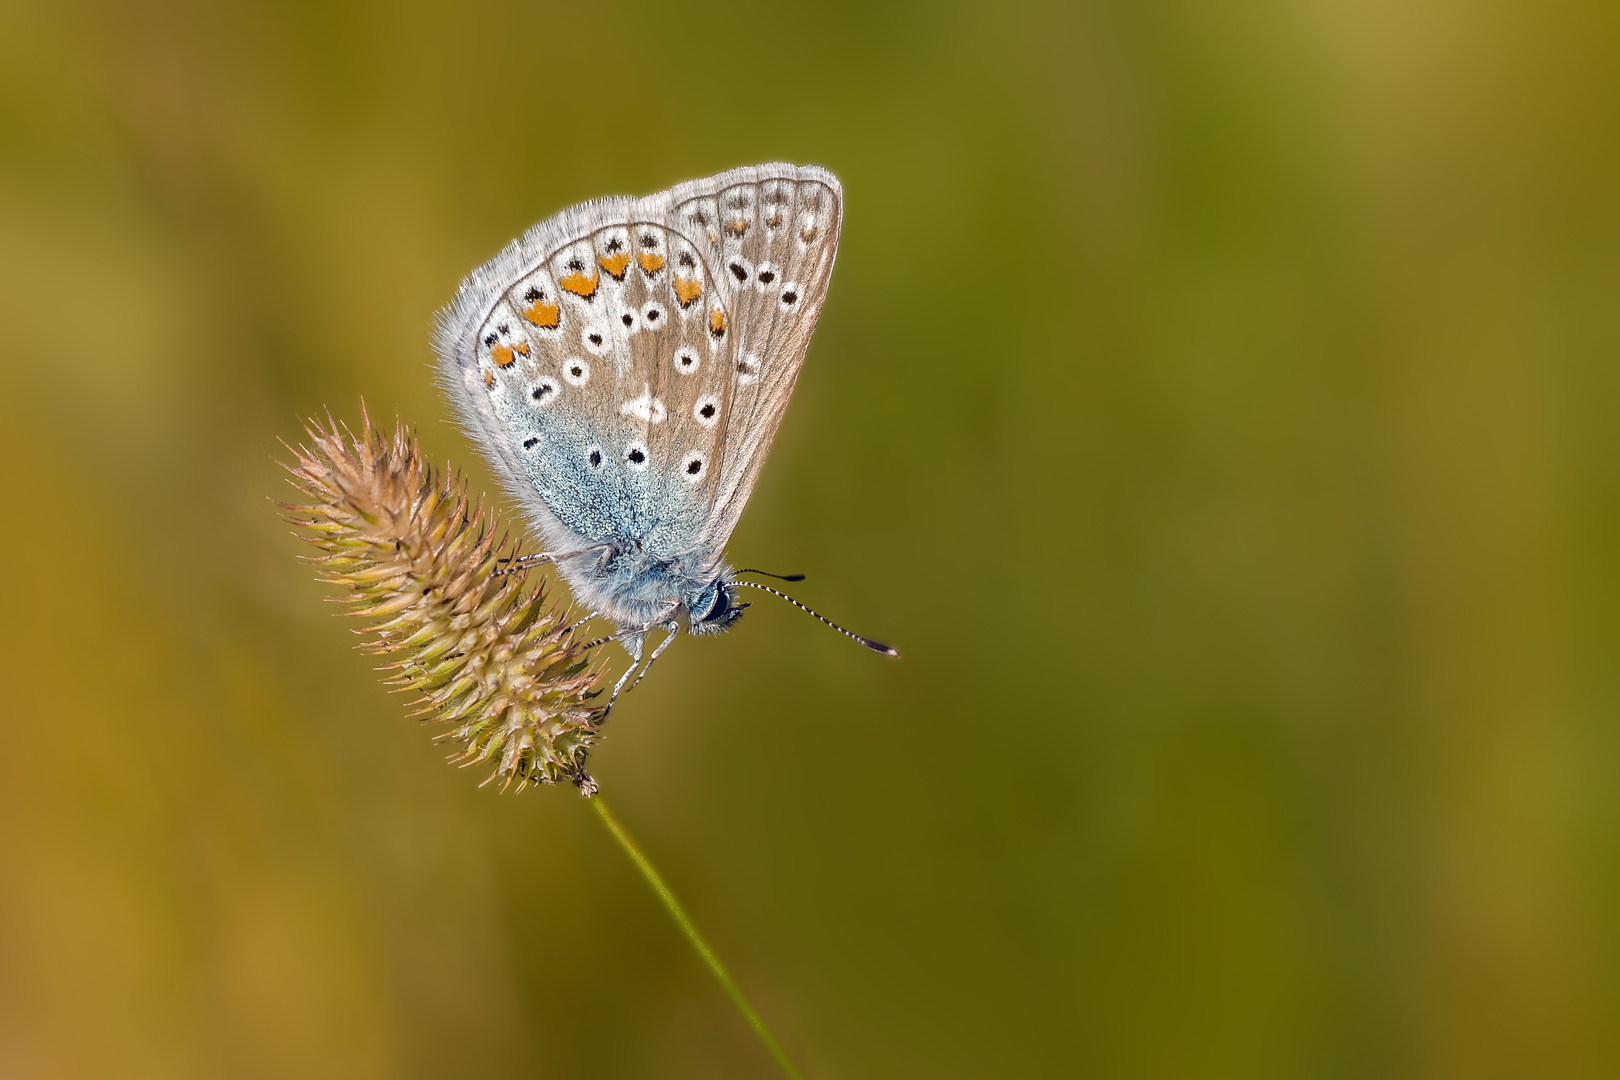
{"x": 646, "y": 407}
{"x": 693, "y": 463}
{"x": 544, "y": 392}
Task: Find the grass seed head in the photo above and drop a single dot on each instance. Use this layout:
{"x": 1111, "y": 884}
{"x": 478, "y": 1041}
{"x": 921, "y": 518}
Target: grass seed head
{"x": 485, "y": 653}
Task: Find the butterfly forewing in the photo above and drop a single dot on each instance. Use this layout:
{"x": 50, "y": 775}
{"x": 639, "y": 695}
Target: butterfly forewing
{"x": 777, "y": 240}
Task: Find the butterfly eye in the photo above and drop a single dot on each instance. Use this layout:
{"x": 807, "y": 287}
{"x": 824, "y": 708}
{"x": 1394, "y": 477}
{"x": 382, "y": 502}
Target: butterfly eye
{"x": 693, "y": 465}
{"x": 718, "y": 606}
{"x": 739, "y": 273}
{"x": 686, "y": 361}
{"x": 653, "y": 314}
{"x": 790, "y": 296}
{"x": 635, "y": 456}
{"x": 707, "y": 410}
{"x": 595, "y": 457}
{"x": 530, "y": 443}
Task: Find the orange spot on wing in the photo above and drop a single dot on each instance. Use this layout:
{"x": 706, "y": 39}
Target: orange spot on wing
{"x": 541, "y": 314}
{"x": 615, "y": 265}
{"x": 580, "y": 285}
{"x": 736, "y": 228}
{"x": 502, "y": 355}
{"x": 489, "y": 379}
{"x": 650, "y": 262}
{"x": 521, "y": 348}
{"x": 687, "y": 291}
{"x": 717, "y": 322}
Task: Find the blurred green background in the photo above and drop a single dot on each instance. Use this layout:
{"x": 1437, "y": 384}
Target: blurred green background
{"x": 1214, "y": 402}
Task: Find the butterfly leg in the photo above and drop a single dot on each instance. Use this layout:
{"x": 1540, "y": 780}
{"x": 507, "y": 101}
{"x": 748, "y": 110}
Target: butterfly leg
{"x": 673, "y": 628}
{"x": 632, "y": 643}
{"x": 540, "y": 558}
{"x": 522, "y": 562}
{"x": 577, "y": 623}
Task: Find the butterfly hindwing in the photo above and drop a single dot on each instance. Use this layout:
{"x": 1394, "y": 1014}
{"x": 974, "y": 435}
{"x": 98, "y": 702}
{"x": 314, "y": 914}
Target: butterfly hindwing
{"x": 629, "y": 360}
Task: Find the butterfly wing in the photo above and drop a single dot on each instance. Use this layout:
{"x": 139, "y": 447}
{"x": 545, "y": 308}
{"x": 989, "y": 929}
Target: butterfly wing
{"x": 771, "y": 234}
{"x": 628, "y": 360}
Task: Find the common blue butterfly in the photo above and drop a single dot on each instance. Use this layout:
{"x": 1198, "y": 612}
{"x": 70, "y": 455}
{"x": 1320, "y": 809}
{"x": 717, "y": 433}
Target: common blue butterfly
{"x": 625, "y": 365}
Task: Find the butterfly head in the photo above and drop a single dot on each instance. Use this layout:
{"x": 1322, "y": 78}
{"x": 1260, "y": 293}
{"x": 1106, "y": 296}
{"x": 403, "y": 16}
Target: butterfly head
{"x": 715, "y": 607}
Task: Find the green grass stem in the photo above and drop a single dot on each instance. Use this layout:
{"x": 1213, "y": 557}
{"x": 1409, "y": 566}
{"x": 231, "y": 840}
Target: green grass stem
{"x": 673, "y": 906}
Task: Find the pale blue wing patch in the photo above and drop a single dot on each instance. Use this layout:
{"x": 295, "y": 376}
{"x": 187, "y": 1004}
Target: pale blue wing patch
{"x": 542, "y": 422}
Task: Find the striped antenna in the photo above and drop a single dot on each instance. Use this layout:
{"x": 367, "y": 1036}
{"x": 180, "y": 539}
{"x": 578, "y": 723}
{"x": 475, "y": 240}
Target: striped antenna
{"x": 875, "y": 646}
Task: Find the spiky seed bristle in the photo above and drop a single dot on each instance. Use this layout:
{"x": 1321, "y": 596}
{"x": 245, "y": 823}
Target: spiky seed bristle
{"x": 486, "y": 654}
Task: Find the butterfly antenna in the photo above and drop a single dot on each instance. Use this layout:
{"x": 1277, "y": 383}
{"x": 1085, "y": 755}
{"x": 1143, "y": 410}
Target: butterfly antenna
{"x": 875, "y": 646}
{"x": 778, "y": 577}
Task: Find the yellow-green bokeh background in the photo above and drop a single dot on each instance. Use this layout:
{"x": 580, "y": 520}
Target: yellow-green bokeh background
{"x": 1215, "y": 402}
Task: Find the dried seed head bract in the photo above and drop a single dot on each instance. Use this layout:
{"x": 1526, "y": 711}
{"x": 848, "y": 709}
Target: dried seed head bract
{"x": 488, "y": 654}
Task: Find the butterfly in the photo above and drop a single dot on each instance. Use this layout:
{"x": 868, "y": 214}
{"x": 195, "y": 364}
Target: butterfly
{"x": 625, "y": 365}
